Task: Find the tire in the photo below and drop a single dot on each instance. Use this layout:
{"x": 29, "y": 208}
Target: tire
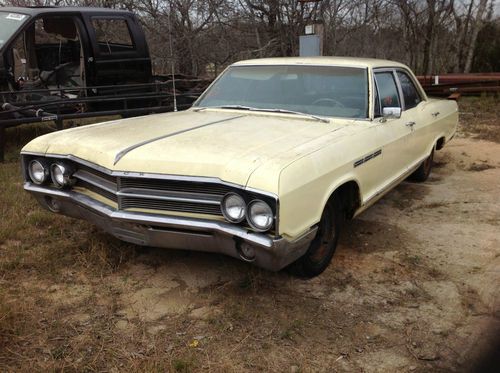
{"x": 424, "y": 170}
{"x": 321, "y": 250}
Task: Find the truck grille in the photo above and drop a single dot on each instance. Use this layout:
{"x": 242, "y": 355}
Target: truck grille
{"x": 153, "y": 194}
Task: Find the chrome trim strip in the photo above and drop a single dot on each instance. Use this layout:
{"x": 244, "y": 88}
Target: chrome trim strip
{"x": 96, "y": 181}
{"x": 124, "y": 152}
{"x": 366, "y": 158}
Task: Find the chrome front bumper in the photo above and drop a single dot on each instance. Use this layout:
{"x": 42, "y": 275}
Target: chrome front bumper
{"x": 176, "y": 232}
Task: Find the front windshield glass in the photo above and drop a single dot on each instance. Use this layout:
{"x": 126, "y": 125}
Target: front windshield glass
{"x": 317, "y": 90}
{"x": 9, "y": 24}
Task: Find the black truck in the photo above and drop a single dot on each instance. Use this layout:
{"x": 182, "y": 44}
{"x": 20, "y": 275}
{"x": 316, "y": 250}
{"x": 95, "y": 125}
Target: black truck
{"x": 69, "y": 62}
{"x": 71, "y": 47}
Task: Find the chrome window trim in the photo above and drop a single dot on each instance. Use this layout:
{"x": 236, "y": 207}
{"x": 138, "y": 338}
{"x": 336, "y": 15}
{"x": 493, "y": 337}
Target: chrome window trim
{"x": 416, "y": 86}
{"x": 394, "y": 71}
{"x": 391, "y": 70}
{"x": 361, "y": 67}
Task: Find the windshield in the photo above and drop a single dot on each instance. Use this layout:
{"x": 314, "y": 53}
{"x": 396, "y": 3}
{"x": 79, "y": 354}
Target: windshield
{"x": 317, "y": 90}
{"x": 9, "y": 24}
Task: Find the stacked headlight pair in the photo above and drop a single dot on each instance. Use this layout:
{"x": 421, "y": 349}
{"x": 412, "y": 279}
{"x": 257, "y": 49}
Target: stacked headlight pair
{"x": 258, "y": 213}
{"x": 60, "y": 173}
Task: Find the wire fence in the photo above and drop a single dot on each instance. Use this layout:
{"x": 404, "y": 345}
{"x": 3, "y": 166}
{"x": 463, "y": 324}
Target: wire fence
{"x": 63, "y": 103}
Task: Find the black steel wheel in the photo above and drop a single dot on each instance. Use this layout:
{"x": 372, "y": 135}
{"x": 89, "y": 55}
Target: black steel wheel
{"x": 321, "y": 250}
{"x": 424, "y": 170}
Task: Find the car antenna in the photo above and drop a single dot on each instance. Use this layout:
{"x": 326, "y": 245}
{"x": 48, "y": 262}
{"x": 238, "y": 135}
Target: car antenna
{"x": 172, "y": 57}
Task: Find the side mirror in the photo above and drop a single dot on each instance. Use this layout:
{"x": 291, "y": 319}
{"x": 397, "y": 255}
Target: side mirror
{"x": 391, "y": 112}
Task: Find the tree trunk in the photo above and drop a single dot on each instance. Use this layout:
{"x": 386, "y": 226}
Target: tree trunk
{"x": 429, "y": 36}
{"x": 476, "y": 27}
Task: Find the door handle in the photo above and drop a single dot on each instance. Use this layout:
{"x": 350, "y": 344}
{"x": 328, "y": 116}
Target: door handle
{"x": 435, "y": 114}
{"x": 410, "y": 124}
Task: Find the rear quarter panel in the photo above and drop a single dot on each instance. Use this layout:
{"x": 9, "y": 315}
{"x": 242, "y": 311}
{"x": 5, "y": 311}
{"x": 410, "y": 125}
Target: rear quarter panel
{"x": 444, "y": 125}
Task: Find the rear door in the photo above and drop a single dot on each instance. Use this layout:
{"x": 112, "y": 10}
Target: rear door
{"x": 417, "y": 116}
{"x": 120, "y": 50}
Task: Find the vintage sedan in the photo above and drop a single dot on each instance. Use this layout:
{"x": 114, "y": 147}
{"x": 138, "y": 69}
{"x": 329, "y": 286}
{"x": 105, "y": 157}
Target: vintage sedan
{"x": 266, "y": 166}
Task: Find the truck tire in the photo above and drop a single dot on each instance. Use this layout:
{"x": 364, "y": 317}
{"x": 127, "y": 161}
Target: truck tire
{"x": 321, "y": 250}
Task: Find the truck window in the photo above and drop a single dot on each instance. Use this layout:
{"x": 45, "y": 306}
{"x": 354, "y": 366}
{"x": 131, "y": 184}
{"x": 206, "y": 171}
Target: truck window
{"x": 113, "y": 35}
{"x": 48, "y": 54}
{"x": 11, "y": 22}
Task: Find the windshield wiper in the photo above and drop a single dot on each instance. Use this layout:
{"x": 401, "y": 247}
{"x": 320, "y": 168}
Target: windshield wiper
{"x": 239, "y": 107}
{"x": 275, "y": 110}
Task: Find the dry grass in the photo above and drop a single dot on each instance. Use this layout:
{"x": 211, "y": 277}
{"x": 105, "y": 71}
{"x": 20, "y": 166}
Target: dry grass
{"x": 480, "y": 117}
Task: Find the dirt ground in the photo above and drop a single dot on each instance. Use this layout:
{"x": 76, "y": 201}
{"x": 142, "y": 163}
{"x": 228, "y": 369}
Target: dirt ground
{"x": 414, "y": 286}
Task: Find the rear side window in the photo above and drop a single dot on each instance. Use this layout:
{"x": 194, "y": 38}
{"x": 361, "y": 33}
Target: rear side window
{"x": 410, "y": 93}
{"x": 387, "y": 90}
{"x": 113, "y": 35}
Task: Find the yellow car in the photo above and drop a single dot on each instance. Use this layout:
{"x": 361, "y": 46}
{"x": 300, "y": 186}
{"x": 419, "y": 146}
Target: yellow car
{"x": 266, "y": 166}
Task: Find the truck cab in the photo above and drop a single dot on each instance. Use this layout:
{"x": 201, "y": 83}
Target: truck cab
{"x": 50, "y": 47}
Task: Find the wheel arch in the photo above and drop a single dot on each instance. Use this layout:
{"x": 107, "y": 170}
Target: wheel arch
{"x": 440, "y": 142}
{"x": 348, "y": 194}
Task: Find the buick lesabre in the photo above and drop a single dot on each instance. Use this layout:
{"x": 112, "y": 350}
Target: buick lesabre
{"x": 266, "y": 166}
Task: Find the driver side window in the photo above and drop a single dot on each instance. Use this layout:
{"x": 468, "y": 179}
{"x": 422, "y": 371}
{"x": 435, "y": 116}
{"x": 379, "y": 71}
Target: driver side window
{"x": 388, "y": 95}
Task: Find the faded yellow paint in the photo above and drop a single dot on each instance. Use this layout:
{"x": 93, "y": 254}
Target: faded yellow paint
{"x": 299, "y": 159}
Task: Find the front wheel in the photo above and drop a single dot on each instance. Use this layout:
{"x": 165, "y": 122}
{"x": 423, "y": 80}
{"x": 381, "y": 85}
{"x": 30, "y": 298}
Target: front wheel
{"x": 423, "y": 171}
{"x": 321, "y": 250}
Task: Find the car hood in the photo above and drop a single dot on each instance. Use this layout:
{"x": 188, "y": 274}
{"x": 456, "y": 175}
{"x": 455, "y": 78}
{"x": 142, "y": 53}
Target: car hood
{"x": 226, "y": 144}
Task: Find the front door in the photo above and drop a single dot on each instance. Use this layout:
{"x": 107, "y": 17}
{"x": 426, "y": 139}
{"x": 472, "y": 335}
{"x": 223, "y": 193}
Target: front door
{"x": 393, "y": 133}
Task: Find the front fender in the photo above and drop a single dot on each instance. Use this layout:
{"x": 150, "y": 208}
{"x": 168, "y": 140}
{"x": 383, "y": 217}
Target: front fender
{"x": 305, "y": 188}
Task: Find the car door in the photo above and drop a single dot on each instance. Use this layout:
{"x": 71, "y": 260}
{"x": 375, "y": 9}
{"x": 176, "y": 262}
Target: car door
{"x": 416, "y": 116}
{"x": 393, "y": 133}
{"x": 120, "y": 52}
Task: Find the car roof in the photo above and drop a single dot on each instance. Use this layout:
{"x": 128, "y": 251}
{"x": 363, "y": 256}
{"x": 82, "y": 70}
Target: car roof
{"x": 323, "y": 61}
{"x": 35, "y": 11}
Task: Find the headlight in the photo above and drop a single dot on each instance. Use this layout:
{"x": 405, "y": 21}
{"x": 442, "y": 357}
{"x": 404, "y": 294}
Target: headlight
{"x": 61, "y": 175}
{"x": 260, "y": 215}
{"x": 38, "y": 172}
{"x": 233, "y": 207}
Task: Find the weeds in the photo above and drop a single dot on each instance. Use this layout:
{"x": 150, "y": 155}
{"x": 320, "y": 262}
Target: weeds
{"x": 479, "y": 117}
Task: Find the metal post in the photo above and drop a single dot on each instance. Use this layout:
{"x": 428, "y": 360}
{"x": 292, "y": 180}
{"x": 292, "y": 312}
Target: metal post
{"x": 59, "y": 124}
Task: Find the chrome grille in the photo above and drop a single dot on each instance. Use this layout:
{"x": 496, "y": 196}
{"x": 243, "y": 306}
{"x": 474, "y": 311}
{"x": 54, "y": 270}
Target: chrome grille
{"x": 174, "y": 185}
{"x": 153, "y": 194}
{"x": 128, "y": 202}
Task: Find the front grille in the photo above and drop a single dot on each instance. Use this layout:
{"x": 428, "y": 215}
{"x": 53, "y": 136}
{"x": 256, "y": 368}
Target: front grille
{"x": 152, "y": 204}
{"x": 174, "y": 186}
{"x": 153, "y": 194}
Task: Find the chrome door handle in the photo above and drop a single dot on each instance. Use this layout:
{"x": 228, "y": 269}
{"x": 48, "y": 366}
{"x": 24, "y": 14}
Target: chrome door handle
{"x": 435, "y": 114}
{"x": 410, "y": 124}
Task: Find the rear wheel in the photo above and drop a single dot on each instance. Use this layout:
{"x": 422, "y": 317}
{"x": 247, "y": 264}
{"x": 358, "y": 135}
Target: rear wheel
{"x": 321, "y": 250}
{"x": 424, "y": 170}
